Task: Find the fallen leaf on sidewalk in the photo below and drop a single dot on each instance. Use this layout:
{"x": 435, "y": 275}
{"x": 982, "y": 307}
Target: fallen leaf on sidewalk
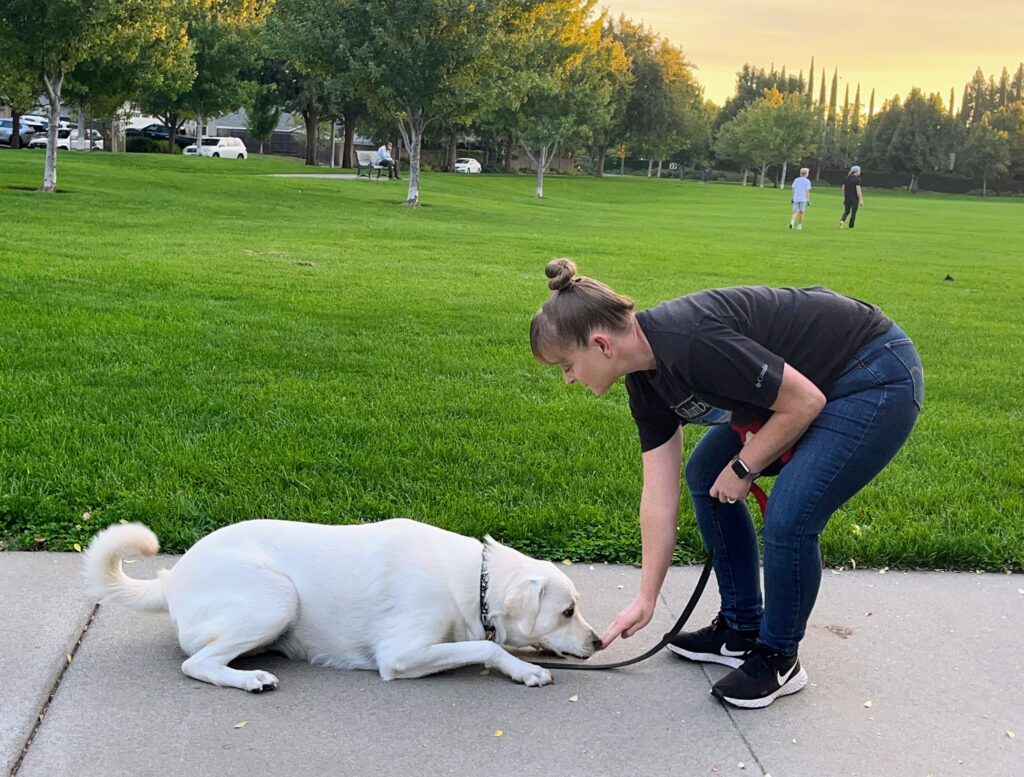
{"x": 241, "y": 725}
{"x": 1020, "y": 590}
{"x": 883, "y": 570}
{"x": 619, "y": 587}
{"x": 69, "y": 658}
{"x": 77, "y": 547}
{"x": 867, "y": 703}
{"x": 1010, "y": 734}
{"x": 498, "y": 733}
{"x": 485, "y": 673}
{"x": 741, "y": 765}
{"x": 574, "y": 697}
{"x": 567, "y": 562}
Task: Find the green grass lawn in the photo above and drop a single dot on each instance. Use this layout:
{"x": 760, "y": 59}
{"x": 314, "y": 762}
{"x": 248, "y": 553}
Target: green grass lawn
{"x": 189, "y": 343}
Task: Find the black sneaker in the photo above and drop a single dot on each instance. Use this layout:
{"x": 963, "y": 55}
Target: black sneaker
{"x": 717, "y": 643}
{"x": 763, "y": 678}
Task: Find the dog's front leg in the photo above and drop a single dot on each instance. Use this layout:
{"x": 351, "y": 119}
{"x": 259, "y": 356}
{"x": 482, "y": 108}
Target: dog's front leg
{"x": 431, "y": 659}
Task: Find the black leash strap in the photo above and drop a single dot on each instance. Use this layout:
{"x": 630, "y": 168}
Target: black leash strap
{"x": 669, "y": 636}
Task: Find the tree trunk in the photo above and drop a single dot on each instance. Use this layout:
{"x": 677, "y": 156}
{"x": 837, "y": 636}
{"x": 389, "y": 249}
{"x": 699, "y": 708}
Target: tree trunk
{"x": 746, "y": 170}
{"x": 53, "y": 97}
{"x": 412, "y": 134}
{"x": 508, "y": 154}
{"x": 622, "y": 165}
{"x": 453, "y": 150}
{"x": 172, "y": 125}
{"x": 312, "y": 118}
{"x": 334, "y": 155}
{"x": 764, "y": 169}
{"x": 650, "y": 167}
{"x": 15, "y": 128}
{"x": 602, "y": 155}
{"x": 913, "y": 183}
{"x": 541, "y": 164}
{"x": 782, "y": 183}
{"x": 984, "y": 186}
{"x": 348, "y": 153}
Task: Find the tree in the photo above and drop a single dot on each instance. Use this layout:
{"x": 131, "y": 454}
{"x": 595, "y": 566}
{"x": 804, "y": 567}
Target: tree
{"x": 665, "y": 109}
{"x": 1010, "y": 119}
{"x": 568, "y": 61}
{"x": 986, "y": 153}
{"x": 408, "y": 56}
{"x": 49, "y": 38}
{"x": 774, "y": 130}
{"x": 16, "y": 88}
{"x": 921, "y": 141}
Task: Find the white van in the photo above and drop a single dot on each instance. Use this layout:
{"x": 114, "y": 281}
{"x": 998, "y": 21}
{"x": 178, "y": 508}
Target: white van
{"x": 230, "y": 148}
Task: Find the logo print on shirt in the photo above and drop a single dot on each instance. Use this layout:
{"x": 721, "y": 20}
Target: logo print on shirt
{"x": 697, "y": 411}
{"x": 760, "y": 378}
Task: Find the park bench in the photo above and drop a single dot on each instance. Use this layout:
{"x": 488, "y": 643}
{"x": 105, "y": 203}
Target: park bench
{"x": 367, "y": 161}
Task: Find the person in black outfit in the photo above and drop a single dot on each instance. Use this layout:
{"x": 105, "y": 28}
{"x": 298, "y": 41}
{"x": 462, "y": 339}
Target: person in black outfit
{"x": 829, "y": 381}
{"x": 853, "y": 197}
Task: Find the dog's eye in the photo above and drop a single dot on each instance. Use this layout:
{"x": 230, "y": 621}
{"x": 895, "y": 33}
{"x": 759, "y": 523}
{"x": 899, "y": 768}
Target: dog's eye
{"x": 570, "y": 612}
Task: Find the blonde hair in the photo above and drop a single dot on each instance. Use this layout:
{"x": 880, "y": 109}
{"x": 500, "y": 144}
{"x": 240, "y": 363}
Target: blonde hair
{"x": 805, "y": 171}
{"x": 576, "y": 307}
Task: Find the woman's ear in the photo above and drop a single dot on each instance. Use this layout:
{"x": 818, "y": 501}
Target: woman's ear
{"x": 602, "y": 341}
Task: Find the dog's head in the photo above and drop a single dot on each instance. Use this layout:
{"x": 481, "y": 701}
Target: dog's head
{"x": 533, "y": 603}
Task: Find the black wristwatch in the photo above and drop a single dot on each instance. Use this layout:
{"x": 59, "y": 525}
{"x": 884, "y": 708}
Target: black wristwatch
{"x": 742, "y": 470}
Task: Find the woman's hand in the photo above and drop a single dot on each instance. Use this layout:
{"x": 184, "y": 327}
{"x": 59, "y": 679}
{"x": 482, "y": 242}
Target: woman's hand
{"x": 729, "y": 487}
{"x": 628, "y": 622}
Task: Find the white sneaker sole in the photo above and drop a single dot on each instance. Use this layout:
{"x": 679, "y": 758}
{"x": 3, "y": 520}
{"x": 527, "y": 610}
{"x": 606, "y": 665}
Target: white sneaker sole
{"x": 709, "y": 658}
{"x": 796, "y": 683}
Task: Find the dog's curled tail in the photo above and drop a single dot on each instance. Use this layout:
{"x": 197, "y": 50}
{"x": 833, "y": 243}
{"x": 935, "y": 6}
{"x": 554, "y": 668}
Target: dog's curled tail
{"x": 105, "y": 577}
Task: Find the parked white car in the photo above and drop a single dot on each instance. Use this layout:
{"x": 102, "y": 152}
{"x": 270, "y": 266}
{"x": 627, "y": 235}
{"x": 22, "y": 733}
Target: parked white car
{"x": 68, "y": 139}
{"x": 229, "y": 148}
{"x": 467, "y": 165}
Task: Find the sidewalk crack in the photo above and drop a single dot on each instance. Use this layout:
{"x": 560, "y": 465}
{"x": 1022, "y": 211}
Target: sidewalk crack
{"x": 53, "y": 692}
{"x": 735, "y": 725}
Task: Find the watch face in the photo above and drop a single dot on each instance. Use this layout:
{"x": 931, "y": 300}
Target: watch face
{"x": 741, "y": 469}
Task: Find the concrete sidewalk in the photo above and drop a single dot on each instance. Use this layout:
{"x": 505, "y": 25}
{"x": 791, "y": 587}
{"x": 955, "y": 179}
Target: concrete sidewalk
{"x": 910, "y": 674}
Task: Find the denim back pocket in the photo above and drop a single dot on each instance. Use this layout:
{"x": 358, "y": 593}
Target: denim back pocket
{"x": 905, "y": 351}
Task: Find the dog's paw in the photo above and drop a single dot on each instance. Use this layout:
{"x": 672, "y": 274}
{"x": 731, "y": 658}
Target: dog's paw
{"x": 532, "y": 676}
{"x": 259, "y": 681}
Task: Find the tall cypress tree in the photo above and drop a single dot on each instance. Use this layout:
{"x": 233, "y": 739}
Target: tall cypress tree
{"x": 856, "y": 111}
{"x": 821, "y": 97}
{"x": 871, "y": 105}
{"x": 810, "y": 85}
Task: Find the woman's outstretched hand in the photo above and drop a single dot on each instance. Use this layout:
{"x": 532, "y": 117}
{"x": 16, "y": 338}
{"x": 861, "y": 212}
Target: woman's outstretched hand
{"x": 628, "y": 622}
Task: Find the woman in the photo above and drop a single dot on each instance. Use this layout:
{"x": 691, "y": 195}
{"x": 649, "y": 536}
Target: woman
{"x": 828, "y": 376}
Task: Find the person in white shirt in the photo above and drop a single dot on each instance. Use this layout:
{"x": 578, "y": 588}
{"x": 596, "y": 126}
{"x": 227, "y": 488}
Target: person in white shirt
{"x": 801, "y": 197}
{"x": 384, "y": 159}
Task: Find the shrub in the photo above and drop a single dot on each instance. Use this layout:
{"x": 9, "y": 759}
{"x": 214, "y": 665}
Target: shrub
{"x": 143, "y": 145}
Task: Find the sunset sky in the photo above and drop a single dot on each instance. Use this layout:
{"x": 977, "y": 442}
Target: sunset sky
{"x": 886, "y": 45}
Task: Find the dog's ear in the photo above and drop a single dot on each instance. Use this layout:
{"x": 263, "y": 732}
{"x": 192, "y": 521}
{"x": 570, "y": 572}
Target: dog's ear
{"x": 522, "y": 604}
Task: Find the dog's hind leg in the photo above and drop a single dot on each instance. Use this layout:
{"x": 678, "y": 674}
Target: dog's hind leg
{"x": 218, "y": 629}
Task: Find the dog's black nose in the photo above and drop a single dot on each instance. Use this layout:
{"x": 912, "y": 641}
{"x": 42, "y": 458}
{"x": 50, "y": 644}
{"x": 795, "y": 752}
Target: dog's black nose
{"x": 596, "y": 642}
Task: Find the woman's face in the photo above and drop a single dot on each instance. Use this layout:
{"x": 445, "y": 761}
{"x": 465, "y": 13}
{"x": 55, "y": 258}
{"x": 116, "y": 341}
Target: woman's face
{"x": 592, "y": 365}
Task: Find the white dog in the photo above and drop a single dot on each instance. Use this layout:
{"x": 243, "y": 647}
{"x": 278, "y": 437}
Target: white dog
{"x": 401, "y": 597}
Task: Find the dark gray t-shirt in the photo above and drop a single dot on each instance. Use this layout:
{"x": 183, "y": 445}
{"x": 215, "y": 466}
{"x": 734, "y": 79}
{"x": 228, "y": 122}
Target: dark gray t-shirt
{"x": 720, "y": 353}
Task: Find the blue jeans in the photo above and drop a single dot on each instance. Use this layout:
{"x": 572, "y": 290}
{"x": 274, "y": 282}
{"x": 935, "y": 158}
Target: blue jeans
{"x": 867, "y": 417}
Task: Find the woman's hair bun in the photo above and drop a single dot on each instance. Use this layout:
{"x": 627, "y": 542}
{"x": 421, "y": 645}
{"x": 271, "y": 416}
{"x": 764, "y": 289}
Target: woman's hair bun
{"x": 561, "y": 272}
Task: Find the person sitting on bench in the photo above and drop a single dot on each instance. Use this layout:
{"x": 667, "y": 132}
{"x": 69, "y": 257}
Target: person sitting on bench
{"x": 384, "y": 160}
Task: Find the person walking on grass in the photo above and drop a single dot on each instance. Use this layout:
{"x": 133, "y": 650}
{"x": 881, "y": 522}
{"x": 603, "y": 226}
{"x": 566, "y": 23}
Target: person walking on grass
{"x": 853, "y": 197}
{"x": 801, "y": 197}
{"x": 829, "y": 378}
